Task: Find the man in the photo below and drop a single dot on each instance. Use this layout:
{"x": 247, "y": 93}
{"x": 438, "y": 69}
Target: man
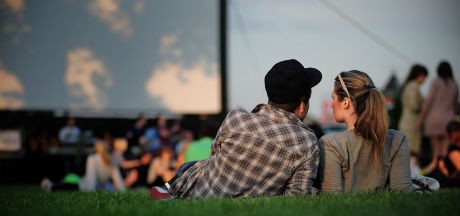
{"x": 70, "y": 133}
{"x": 266, "y": 152}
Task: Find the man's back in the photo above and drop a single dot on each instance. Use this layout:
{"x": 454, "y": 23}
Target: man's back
{"x": 268, "y": 152}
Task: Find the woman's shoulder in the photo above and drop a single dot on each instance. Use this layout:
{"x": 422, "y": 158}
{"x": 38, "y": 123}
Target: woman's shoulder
{"x": 337, "y": 138}
{"x": 438, "y": 81}
{"x": 412, "y": 84}
{"x": 395, "y": 138}
{"x": 349, "y": 135}
{"x": 395, "y": 134}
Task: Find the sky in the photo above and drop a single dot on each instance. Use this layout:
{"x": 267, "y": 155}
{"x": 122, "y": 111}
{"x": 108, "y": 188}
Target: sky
{"x": 154, "y": 55}
{"x": 263, "y": 32}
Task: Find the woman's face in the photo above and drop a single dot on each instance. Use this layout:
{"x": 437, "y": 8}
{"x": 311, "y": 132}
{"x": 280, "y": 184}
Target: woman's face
{"x": 337, "y": 107}
{"x": 420, "y": 79}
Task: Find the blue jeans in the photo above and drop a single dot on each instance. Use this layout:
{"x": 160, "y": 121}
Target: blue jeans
{"x": 184, "y": 167}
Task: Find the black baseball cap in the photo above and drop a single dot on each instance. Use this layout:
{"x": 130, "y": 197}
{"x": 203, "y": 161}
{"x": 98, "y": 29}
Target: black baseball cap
{"x": 288, "y": 81}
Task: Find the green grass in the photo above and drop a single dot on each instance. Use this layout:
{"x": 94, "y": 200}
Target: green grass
{"x": 30, "y": 200}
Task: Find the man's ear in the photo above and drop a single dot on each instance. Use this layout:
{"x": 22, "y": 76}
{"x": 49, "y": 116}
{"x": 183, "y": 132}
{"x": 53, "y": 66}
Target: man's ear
{"x": 300, "y": 108}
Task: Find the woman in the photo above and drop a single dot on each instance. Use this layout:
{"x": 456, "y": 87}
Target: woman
{"x": 438, "y": 110}
{"x": 412, "y": 100}
{"x": 367, "y": 156}
{"x": 100, "y": 174}
{"x": 100, "y": 171}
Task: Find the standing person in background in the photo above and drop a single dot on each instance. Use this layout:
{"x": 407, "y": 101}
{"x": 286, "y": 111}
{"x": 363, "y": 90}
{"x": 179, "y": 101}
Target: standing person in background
{"x": 412, "y": 101}
{"x": 438, "y": 109}
{"x": 367, "y": 156}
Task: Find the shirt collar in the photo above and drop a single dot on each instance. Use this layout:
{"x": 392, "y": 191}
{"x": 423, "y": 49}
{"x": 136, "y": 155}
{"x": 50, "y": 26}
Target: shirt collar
{"x": 278, "y": 115}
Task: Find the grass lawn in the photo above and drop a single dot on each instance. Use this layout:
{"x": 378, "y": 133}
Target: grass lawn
{"x": 30, "y": 200}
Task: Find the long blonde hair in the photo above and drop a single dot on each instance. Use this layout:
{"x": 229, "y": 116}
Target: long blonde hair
{"x": 100, "y": 148}
{"x": 370, "y": 107}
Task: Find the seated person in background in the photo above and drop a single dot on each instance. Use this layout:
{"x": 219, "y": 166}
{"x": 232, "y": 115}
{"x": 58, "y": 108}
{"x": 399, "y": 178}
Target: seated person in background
{"x": 70, "y": 133}
{"x": 133, "y": 136}
{"x": 161, "y": 168}
{"x": 201, "y": 149}
{"x": 100, "y": 174}
{"x": 181, "y": 147}
{"x": 448, "y": 170}
{"x": 128, "y": 168}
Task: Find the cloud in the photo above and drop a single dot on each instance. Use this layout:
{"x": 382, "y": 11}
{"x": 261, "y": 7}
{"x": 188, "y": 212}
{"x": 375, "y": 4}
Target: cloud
{"x": 109, "y": 12}
{"x": 11, "y": 90}
{"x": 14, "y": 5}
{"x": 167, "y": 48}
{"x": 87, "y": 79}
{"x": 186, "y": 89}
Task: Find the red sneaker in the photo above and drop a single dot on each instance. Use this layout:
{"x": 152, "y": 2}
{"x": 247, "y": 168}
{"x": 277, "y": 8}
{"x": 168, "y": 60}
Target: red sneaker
{"x": 159, "y": 193}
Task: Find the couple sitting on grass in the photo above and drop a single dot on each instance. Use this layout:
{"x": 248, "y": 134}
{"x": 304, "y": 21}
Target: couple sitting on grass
{"x": 270, "y": 151}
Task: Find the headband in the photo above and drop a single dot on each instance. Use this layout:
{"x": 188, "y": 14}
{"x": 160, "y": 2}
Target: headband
{"x": 344, "y": 86}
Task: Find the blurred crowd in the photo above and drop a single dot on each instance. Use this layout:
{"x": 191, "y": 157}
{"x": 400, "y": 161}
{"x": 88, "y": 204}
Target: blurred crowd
{"x": 147, "y": 155}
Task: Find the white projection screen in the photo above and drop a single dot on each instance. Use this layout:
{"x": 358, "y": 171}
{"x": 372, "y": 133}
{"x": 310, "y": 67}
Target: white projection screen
{"x": 110, "y": 56}
{"x": 11, "y": 143}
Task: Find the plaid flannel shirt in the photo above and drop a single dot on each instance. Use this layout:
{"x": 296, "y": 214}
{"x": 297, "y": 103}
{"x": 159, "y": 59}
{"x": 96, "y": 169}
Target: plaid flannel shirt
{"x": 266, "y": 152}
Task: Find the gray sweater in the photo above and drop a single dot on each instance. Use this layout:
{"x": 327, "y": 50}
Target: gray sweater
{"x": 346, "y": 163}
